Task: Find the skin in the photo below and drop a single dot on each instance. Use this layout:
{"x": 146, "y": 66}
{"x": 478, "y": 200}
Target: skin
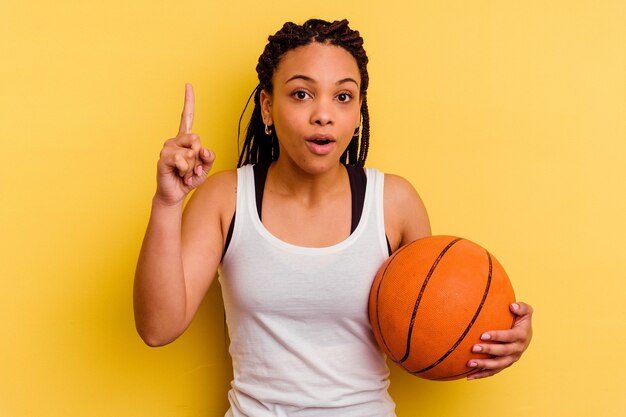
{"x": 307, "y": 200}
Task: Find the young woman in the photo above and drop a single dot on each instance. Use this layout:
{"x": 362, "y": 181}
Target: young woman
{"x": 298, "y": 232}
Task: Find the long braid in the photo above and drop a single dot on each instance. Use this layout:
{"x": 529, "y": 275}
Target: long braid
{"x": 258, "y": 147}
{"x": 365, "y": 136}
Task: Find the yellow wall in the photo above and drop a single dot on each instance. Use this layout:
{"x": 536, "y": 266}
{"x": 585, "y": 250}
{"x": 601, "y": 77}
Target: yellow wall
{"x": 509, "y": 117}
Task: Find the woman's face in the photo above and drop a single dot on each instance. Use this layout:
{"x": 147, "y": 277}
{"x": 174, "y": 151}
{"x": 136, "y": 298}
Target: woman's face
{"x": 315, "y": 105}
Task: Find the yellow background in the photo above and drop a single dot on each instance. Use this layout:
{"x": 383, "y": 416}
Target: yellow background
{"x": 509, "y": 117}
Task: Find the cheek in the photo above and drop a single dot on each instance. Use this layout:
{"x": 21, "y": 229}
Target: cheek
{"x": 353, "y": 119}
{"x": 357, "y": 118}
{"x": 351, "y": 113}
{"x": 287, "y": 120}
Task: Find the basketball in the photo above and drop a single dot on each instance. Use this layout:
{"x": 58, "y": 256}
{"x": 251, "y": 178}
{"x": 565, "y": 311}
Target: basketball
{"x": 431, "y": 301}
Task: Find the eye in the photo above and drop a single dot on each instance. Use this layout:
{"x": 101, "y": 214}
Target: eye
{"x": 301, "y": 95}
{"x": 344, "y": 97}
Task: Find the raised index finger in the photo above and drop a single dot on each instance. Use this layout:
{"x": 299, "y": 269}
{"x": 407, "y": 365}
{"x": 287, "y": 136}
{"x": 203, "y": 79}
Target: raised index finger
{"x": 186, "y": 118}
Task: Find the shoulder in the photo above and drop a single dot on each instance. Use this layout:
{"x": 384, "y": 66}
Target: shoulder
{"x": 399, "y": 187}
{"x": 214, "y": 200}
{"x": 217, "y": 184}
{"x": 406, "y": 218}
{"x": 399, "y": 193}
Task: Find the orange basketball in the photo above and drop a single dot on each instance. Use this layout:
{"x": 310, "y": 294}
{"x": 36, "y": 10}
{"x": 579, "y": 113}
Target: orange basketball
{"x": 431, "y": 301}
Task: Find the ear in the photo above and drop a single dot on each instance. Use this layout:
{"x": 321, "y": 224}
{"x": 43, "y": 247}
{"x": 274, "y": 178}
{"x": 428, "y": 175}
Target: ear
{"x": 266, "y": 107}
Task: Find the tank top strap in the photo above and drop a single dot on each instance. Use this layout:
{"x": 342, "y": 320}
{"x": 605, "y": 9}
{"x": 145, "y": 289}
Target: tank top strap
{"x": 358, "y": 185}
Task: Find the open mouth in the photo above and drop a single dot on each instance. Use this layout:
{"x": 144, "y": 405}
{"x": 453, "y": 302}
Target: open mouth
{"x": 321, "y": 144}
{"x": 321, "y": 141}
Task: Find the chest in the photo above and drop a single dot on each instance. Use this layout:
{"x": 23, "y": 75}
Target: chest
{"x": 313, "y": 226}
{"x": 302, "y": 287}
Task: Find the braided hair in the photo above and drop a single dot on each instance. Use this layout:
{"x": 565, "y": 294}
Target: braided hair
{"x": 258, "y": 147}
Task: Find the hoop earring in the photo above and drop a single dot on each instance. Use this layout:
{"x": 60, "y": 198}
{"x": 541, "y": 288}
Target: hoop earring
{"x": 268, "y": 130}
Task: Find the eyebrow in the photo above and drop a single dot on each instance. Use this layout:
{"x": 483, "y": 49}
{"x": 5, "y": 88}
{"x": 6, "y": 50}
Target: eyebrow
{"x": 311, "y": 80}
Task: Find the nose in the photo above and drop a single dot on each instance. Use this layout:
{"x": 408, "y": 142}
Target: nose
{"x": 322, "y": 114}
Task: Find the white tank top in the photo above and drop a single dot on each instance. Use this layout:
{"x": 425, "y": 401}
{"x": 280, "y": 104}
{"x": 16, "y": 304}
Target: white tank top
{"x": 300, "y": 337}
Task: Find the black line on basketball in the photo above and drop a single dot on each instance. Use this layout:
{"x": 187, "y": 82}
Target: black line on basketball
{"x": 419, "y": 297}
{"x": 443, "y": 378}
{"x": 380, "y": 330}
{"x": 471, "y": 323}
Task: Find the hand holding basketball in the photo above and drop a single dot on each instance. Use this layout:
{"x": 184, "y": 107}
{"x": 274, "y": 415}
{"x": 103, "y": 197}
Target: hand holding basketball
{"x": 433, "y": 306}
{"x": 511, "y": 343}
{"x": 183, "y": 164}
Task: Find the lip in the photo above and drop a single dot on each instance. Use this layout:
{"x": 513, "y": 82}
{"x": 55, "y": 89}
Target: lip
{"x": 321, "y": 144}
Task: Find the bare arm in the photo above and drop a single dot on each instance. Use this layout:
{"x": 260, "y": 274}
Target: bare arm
{"x": 405, "y": 215}
{"x": 159, "y": 292}
{"x": 168, "y": 283}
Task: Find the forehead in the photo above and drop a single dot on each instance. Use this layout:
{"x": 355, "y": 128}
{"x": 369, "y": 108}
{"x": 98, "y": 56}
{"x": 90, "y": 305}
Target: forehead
{"x": 319, "y": 62}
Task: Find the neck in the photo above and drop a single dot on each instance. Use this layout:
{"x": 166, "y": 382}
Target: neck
{"x": 287, "y": 178}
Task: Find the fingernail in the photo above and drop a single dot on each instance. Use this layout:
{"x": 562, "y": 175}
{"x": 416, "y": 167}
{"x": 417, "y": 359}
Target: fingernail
{"x": 485, "y": 336}
{"x": 199, "y": 170}
{"x": 472, "y": 364}
{"x": 477, "y": 349}
{"x": 515, "y": 306}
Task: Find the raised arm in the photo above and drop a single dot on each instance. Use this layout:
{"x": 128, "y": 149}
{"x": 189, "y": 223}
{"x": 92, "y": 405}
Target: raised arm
{"x": 180, "y": 254}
